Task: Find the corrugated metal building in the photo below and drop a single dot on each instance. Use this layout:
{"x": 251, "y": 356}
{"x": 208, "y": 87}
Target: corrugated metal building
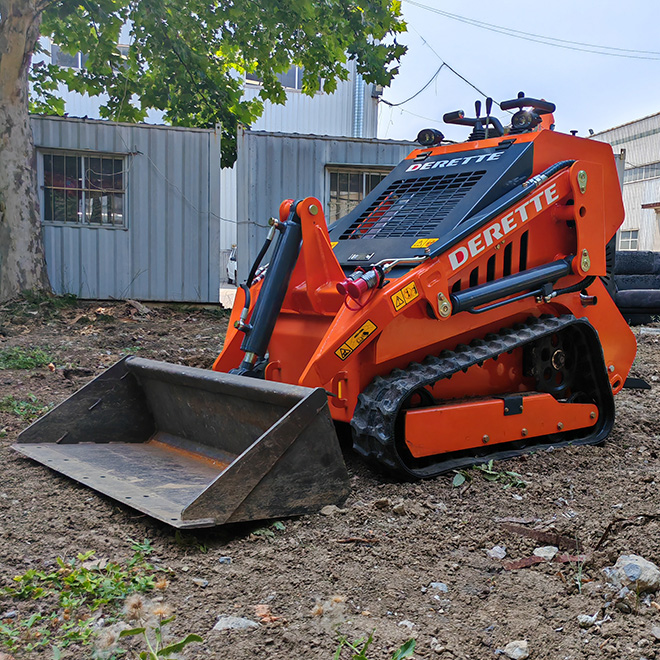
{"x": 130, "y": 210}
{"x": 641, "y": 181}
{"x": 272, "y": 167}
{"x": 351, "y": 110}
{"x": 136, "y": 210}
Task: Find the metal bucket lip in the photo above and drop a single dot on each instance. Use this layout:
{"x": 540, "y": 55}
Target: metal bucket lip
{"x": 218, "y": 382}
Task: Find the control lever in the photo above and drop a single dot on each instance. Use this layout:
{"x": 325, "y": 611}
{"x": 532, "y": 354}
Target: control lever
{"x": 489, "y": 107}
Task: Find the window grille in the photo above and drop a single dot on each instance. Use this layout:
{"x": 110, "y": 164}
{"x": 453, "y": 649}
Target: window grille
{"x": 84, "y": 190}
{"x": 348, "y": 187}
{"x": 628, "y": 239}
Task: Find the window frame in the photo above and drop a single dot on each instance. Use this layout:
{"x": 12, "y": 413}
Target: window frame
{"x": 364, "y": 170}
{"x": 298, "y": 77}
{"x": 80, "y": 58}
{"x": 629, "y": 240}
{"x": 83, "y": 154}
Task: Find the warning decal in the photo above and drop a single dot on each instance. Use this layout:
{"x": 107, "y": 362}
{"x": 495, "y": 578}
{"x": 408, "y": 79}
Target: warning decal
{"x": 423, "y": 242}
{"x": 355, "y": 340}
{"x": 333, "y": 244}
{"x": 404, "y": 296}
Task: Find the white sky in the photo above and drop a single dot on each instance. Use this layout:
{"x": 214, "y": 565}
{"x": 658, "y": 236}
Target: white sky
{"x": 590, "y": 90}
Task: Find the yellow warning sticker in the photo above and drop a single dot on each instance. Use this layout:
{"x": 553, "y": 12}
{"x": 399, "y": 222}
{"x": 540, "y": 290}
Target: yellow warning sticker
{"x": 333, "y": 244}
{"x": 424, "y": 242}
{"x": 404, "y": 296}
{"x": 355, "y": 340}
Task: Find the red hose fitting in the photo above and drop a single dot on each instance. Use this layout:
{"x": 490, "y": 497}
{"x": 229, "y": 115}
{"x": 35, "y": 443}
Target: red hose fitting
{"x": 359, "y": 282}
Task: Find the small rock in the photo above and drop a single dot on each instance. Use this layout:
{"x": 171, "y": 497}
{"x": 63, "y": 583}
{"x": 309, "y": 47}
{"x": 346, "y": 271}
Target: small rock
{"x": 497, "y": 552}
{"x": 224, "y": 560}
{"x": 440, "y": 586}
{"x": 9, "y": 614}
{"x": 382, "y": 503}
{"x": 586, "y": 621}
{"x": 517, "y": 650}
{"x": 623, "y": 607}
{"x": 416, "y": 509}
{"x": 399, "y": 509}
{"x": 636, "y": 572}
{"x": 407, "y": 624}
{"x": 655, "y": 632}
{"x": 517, "y": 497}
{"x": 234, "y": 623}
{"x": 329, "y": 510}
{"x": 201, "y": 582}
{"x": 547, "y": 552}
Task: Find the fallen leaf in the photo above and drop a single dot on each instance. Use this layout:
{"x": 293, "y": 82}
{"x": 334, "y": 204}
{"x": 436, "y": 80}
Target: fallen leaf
{"x": 549, "y": 538}
{"x": 265, "y": 615}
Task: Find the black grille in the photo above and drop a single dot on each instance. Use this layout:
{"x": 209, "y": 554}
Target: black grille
{"x": 413, "y": 207}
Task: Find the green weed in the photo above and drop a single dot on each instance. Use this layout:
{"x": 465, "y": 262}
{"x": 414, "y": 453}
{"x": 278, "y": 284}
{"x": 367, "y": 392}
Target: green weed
{"x": 69, "y": 596}
{"x": 505, "y": 477}
{"x": 152, "y": 620}
{"x": 489, "y": 473}
{"x": 28, "y": 410}
{"x": 23, "y": 358}
{"x": 358, "y": 649}
{"x": 41, "y": 299}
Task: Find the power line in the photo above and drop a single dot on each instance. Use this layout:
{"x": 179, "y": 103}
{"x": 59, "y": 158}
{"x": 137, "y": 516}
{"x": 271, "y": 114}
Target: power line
{"x": 443, "y": 64}
{"x": 433, "y": 77}
{"x": 594, "y": 49}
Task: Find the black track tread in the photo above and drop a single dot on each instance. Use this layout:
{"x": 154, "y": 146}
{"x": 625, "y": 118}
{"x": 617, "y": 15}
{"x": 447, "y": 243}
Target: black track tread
{"x": 378, "y": 406}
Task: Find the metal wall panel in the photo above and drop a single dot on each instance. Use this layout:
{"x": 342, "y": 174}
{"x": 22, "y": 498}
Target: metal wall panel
{"x": 170, "y": 248}
{"x": 641, "y": 141}
{"x": 321, "y": 114}
{"x": 272, "y": 167}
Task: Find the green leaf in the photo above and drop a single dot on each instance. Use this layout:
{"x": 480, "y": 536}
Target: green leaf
{"x": 179, "y": 646}
{"x": 459, "y": 480}
{"x": 405, "y": 651}
{"x": 57, "y": 654}
{"x": 183, "y": 56}
{"x": 132, "y": 631}
{"x": 279, "y": 526}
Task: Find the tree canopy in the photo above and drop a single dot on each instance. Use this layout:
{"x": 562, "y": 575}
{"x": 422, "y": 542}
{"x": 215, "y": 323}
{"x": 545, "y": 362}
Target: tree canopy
{"x": 188, "y": 58}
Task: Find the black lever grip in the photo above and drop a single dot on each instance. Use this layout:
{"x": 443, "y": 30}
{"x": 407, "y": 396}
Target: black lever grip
{"x": 457, "y": 117}
{"x": 542, "y": 107}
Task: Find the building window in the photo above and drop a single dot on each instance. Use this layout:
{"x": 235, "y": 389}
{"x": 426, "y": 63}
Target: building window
{"x": 60, "y": 58}
{"x": 628, "y": 239}
{"x": 292, "y": 79}
{"x": 349, "y": 186}
{"x": 650, "y": 171}
{"x": 84, "y": 190}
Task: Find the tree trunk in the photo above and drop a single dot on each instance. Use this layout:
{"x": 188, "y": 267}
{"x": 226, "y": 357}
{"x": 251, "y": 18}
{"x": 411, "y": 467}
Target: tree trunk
{"x": 22, "y": 262}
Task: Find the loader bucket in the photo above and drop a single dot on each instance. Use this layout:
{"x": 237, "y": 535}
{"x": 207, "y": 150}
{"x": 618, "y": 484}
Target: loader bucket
{"x": 193, "y": 447}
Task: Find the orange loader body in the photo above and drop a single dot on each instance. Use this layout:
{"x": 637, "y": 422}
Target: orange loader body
{"x": 322, "y": 338}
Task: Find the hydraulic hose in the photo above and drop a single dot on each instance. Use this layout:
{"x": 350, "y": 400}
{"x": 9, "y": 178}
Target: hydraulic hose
{"x": 257, "y": 262}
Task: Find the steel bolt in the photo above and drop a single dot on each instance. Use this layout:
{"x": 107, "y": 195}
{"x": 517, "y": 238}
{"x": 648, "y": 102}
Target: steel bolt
{"x": 560, "y": 426}
{"x": 485, "y": 439}
{"x": 313, "y": 209}
{"x": 610, "y": 368}
{"x": 523, "y": 432}
{"x": 592, "y": 415}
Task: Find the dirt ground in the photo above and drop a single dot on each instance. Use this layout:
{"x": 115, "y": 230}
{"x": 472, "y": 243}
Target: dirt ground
{"x": 418, "y": 563}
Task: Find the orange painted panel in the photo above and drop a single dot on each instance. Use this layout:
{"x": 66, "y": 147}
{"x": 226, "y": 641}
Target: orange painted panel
{"x": 460, "y": 426}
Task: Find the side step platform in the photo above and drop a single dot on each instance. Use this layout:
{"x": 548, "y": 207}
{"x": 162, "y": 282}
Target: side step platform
{"x": 193, "y": 447}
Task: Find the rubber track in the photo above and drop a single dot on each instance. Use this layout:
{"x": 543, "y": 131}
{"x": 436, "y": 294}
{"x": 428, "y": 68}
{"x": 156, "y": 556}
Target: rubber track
{"x": 374, "y": 420}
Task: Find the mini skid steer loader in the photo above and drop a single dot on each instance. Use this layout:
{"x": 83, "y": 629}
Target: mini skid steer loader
{"x": 460, "y": 313}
